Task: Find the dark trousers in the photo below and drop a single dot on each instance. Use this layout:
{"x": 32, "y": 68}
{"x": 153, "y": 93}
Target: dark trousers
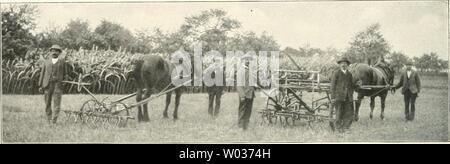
{"x": 344, "y": 115}
{"x": 245, "y": 111}
{"x": 214, "y": 94}
{"x": 53, "y": 92}
{"x": 410, "y": 99}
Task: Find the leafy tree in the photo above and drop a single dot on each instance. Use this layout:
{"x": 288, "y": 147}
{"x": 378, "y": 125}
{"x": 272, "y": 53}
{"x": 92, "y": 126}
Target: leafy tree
{"x": 429, "y": 62}
{"x": 77, "y": 34}
{"x": 113, "y": 36}
{"x": 308, "y": 51}
{"x": 211, "y": 28}
{"x": 50, "y": 36}
{"x": 17, "y": 23}
{"x": 443, "y": 64}
{"x": 143, "y": 41}
{"x": 368, "y": 45}
{"x": 398, "y": 59}
{"x": 249, "y": 41}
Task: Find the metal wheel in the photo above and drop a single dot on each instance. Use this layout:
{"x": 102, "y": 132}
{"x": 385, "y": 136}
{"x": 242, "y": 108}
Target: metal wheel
{"x": 88, "y": 111}
{"x": 91, "y": 106}
{"x": 277, "y": 100}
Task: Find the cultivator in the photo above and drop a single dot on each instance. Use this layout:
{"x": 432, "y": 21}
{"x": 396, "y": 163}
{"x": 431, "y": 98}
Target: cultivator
{"x": 288, "y": 104}
{"x": 100, "y": 113}
{"x": 97, "y": 112}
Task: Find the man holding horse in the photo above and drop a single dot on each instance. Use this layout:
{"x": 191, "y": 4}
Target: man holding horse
{"x": 342, "y": 96}
{"x": 410, "y": 82}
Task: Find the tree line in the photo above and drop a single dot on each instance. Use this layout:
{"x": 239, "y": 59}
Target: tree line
{"x": 213, "y": 28}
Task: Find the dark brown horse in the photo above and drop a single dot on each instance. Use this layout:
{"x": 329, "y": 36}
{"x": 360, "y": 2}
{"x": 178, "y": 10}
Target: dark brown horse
{"x": 154, "y": 74}
{"x": 380, "y": 75}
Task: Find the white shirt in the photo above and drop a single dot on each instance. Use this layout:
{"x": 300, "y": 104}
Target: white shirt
{"x": 345, "y": 71}
{"x": 54, "y": 60}
{"x": 408, "y": 73}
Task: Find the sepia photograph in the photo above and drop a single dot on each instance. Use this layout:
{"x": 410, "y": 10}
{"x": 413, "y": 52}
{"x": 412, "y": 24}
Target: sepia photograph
{"x": 211, "y": 72}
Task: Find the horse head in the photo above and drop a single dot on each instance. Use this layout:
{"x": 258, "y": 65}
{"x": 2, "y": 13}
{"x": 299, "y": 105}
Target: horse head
{"x": 391, "y": 74}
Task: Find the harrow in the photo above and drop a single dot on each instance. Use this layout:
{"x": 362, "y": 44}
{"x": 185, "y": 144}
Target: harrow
{"x": 100, "y": 113}
{"x": 288, "y": 104}
{"x": 96, "y": 112}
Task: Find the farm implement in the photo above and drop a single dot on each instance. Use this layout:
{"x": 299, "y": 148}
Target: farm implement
{"x": 303, "y": 96}
{"x": 300, "y": 96}
{"x": 100, "y": 112}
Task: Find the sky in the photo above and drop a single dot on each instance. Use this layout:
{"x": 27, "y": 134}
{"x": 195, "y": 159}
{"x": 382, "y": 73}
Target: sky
{"x": 411, "y": 27}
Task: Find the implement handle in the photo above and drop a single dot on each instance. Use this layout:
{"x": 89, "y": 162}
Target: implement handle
{"x": 155, "y": 96}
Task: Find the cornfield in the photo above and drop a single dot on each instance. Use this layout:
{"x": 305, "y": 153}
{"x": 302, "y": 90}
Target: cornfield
{"x": 110, "y": 72}
{"x": 106, "y": 71}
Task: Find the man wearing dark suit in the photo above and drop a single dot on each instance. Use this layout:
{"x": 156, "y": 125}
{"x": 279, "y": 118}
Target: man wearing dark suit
{"x": 410, "y": 82}
{"x": 246, "y": 96}
{"x": 52, "y": 74}
{"x": 342, "y": 96}
{"x": 214, "y": 95}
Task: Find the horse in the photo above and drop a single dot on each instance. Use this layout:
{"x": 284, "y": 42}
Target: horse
{"x": 363, "y": 74}
{"x": 153, "y": 73}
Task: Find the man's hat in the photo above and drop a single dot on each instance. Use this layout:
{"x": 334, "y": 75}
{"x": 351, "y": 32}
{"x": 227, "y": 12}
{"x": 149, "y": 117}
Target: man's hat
{"x": 344, "y": 59}
{"x": 56, "y": 47}
{"x": 408, "y": 63}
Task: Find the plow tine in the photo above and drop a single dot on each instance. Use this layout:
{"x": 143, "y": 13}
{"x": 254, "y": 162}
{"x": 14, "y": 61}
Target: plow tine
{"x": 77, "y": 117}
{"x": 95, "y": 120}
{"x": 67, "y": 115}
{"x": 118, "y": 121}
{"x": 73, "y": 117}
{"x": 104, "y": 121}
{"x": 87, "y": 118}
{"x": 110, "y": 120}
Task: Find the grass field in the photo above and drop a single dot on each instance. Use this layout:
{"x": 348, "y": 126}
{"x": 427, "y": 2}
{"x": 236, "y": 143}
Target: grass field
{"x": 23, "y": 121}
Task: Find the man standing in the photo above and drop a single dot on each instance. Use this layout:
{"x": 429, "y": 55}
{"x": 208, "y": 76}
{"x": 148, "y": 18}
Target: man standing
{"x": 214, "y": 95}
{"x": 246, "y": 96}
{"x": 215, "y": 92}
{"x": 342, "y": 96}
{"x": 410, "y": 82}
{"x": 52, "y": 73}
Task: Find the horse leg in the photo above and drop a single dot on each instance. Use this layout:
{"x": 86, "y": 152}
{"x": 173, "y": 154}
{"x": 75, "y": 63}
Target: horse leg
{"x": 177, "y": 103}
{"x": 210, "y": 103}
{"x": 358, "y": 104}
{"x": 383, "y": 104}
{"x": 217, "y": 107}
{"x": 139, "y": 98}
{"x": 145, "y": 116}
{"x": 168, "y": 97}
{"x": 372, "y": 106}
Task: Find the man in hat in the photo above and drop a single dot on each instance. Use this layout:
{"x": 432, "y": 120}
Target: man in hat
{"x": 246, "y": 94}
{"x": 410, "y": 82}
{"x": 342, "y": 96}
{"x": 52, "y": 73}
